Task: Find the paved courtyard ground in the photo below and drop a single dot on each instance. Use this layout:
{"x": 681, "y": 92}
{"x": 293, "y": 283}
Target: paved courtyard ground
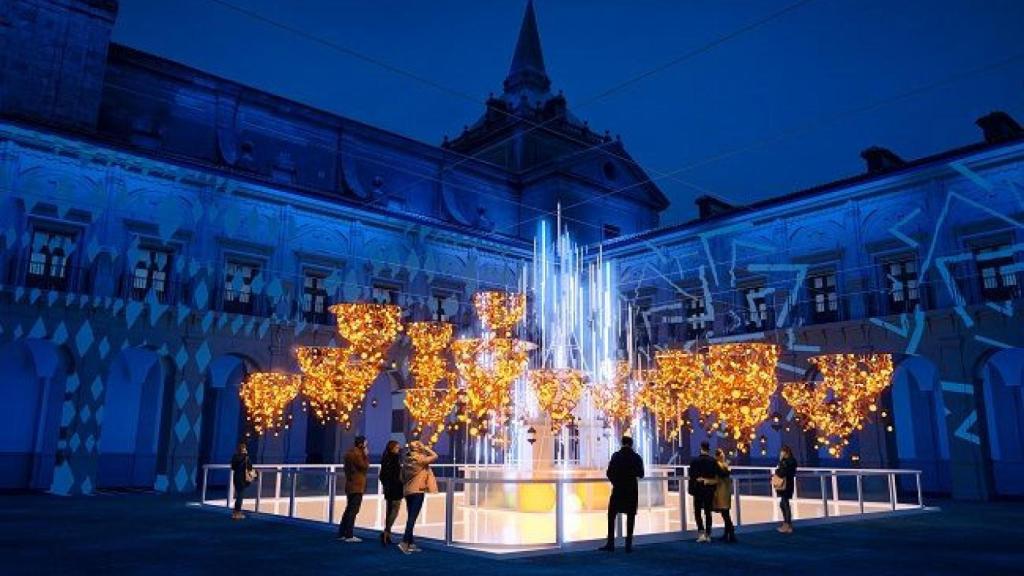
{"x": 156, "y": 535}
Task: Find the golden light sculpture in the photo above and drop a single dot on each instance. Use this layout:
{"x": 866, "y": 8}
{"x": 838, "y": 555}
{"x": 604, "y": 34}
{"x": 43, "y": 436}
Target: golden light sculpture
{"x": 265, "y": 396}
{"x": 320, "y": 366}
{"x": 500, "y": 311}
{"x": 740, "y": 381}
{"x": 428, "y": 405}
{"x": 615, "y": 398}
{"x": 488, "y": 367}
{"x": 368, "y": 327}
{"x": 558, "y": 391}
{"x": 840, "y": 403}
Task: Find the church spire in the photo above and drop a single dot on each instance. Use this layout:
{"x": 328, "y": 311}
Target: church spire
{"x": 527, "y": 76}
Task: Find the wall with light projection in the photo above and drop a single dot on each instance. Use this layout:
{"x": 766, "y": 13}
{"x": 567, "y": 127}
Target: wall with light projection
{"x": 923, "y": 261}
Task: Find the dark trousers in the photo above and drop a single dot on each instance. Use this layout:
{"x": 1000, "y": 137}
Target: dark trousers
{"x": 702, "y": 510}
{"x": 353, "y": 501}
{"x": 630, "y": 522}
{"x": 787, "y": 512}
{"x": 413, "y": 505}
{"x": 391, "y": 514}
{"x": 240, "y": 487}
{"x": 727, "y": 518}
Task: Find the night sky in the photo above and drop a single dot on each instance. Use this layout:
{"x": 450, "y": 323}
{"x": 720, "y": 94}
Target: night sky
{"x": 785, "y": 106}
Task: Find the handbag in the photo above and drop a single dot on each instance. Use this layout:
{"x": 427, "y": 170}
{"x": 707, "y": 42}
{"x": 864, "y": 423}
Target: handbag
{"x": 778, "y": 482}
{"x": 250, "y": 475}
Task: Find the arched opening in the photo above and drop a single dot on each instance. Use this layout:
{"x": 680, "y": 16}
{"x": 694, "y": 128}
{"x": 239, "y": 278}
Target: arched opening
{"x": 134, "y": 419}
{"x": 223, "y": 424}
{"x": 919, "y": 417}
{"x": 1003, "y": 388}
{"x": 30, "y": 415}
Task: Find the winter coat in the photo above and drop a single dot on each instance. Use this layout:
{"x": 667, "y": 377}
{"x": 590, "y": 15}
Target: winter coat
{"x": 723, "y": 489}
{"x": 787, "y": 470}
{"x": 391, "y": 476}
{"x": 356, "y": 465}
{"x": 703, "y": 466}
{"x": 624, "y": 468}
{"x": 416, "y": 472}
{"x": 240, "y": 463}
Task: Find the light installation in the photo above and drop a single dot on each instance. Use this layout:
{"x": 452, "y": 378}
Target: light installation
{"x": 558, "y": 391}
{"x": 429, "y": 405}
{"x": 616, "y": 399}
{"x": 741, "y": 381}
{"x": 265, "y": 397}
{"x": 842, "y": 400}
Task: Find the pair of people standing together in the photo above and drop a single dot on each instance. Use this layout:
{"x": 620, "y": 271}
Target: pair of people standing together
{"x": 410, "y": 479}
{"x": 710, "y": 485}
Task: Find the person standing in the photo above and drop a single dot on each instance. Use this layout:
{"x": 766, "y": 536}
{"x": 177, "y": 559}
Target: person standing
{"x": 624, "y": 468}
{"x": 419, "y": 481}
{"x": 391, "y": 482}
{"x": 703, "y": 476}
{"x": 357, "y": 462}
{"x": 723, "y": 496}
{"x": 784, "y": 481}
{"x": 242, "y": 475}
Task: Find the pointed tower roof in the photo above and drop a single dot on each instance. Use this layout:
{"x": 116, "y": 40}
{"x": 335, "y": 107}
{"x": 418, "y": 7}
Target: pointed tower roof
{"x": 527, "y": 75}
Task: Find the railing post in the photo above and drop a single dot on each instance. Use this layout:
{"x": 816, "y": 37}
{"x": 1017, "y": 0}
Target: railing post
{"x": 920, "y": 494}
{"x": 835, "y": 491}
{"x": 736, "y": 499}
{"x": 449, "y": 512}
{"x": 774, "y": 496}
{"x": 332, "y": 491}
{"x": 682, "y": 503}
{"x": 277, "y": 490}
{"x": 892, "y": 490}
{"x": 824, "y": 496}
{"x": 559, "y": 508}
{"x": 291, "y": 494}
{"x": 259, "y": 488}
{"x": 860, "y": 492}
{"x": 231, "y": 490}
{"x": 206, "y": 477}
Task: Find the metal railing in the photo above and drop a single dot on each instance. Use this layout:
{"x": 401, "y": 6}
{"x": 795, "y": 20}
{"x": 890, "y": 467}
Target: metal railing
{"x": 476, "y": 505}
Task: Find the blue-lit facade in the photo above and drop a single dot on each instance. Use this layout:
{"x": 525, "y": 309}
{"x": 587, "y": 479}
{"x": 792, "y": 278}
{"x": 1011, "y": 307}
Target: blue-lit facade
{"x": 165, "y": 232}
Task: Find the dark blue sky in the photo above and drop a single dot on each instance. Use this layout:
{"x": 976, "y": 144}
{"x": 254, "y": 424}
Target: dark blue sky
{"x": 787, "y": 98}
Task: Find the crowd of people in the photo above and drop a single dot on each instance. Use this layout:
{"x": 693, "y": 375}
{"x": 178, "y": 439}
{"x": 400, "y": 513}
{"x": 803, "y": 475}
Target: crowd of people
{"x": 407, "y": 476}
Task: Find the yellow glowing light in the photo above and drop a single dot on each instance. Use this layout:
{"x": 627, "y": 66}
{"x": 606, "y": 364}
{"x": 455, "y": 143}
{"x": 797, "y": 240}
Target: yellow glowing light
{"x": 738, "y": 385}
{"x": 430, "y": 406}
{"x": 841, "y": 401}
{"x": 265, "y": 396}
{"x": 500, "y": 311}
{"x": 488, "y": 367}
{"x": 558, "y": 391}
{"x": 368, "y": 327}
{"x": 615, "y": 398}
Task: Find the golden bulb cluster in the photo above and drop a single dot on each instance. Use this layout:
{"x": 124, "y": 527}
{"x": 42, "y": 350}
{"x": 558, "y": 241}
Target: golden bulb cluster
{"x": 366, "y": 326}
{"x": 500, "y": 311}
{"x": 558, "y": 391}
{"x": 265, "y": 397}
{"x": 615, "y": 398}
{"x": 738, "y": 386}
{"x": 430, "y": 406}
{"x": 488, "y": 367}
{"x": 840, "y": 403}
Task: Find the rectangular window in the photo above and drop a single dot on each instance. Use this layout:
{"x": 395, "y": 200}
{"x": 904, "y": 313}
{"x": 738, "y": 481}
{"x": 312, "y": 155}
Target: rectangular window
{"x": 386, "y": 294}
{"x": 444, "y": 306}
{"x": 997, "y": 273}
{"x": 755, "y": 302}
{"x": 398, "y": 421}
{"x": 696, "y": 317}
{"x": 238, "y": 279}
{"x": 824, "y": 297}
{"x": 149, "y": 274}
{"x": 314, "y": 299}
{"x": 902, "y": 288}
{"x": 48, "y": 262}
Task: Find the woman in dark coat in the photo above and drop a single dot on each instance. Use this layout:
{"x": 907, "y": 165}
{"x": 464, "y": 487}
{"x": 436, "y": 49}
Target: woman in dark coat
{"x": 624, "y": 468}
{"x": 391, "y": 482}
{"x": 241, "y": 468}
{"x": 787, "y": 471}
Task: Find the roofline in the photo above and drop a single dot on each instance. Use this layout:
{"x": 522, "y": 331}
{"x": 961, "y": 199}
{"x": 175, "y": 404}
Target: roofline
{"x": 812, "y": 192}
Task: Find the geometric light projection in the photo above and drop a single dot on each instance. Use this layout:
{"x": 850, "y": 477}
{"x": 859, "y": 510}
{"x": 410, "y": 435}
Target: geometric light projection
{"x": 844, "y": 397}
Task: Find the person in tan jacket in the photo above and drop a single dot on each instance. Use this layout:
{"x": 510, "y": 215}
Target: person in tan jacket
{"x": 722, "y": 501}
{"x": 419, "y": 481}
{"x": 357, "y": 462}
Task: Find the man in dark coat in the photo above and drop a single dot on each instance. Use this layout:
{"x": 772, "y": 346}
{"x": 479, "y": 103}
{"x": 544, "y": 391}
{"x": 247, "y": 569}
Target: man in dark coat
{"x": 357, "y": 462}
{"x": 703, "y": 468}
{"x": 624, "y": 468}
